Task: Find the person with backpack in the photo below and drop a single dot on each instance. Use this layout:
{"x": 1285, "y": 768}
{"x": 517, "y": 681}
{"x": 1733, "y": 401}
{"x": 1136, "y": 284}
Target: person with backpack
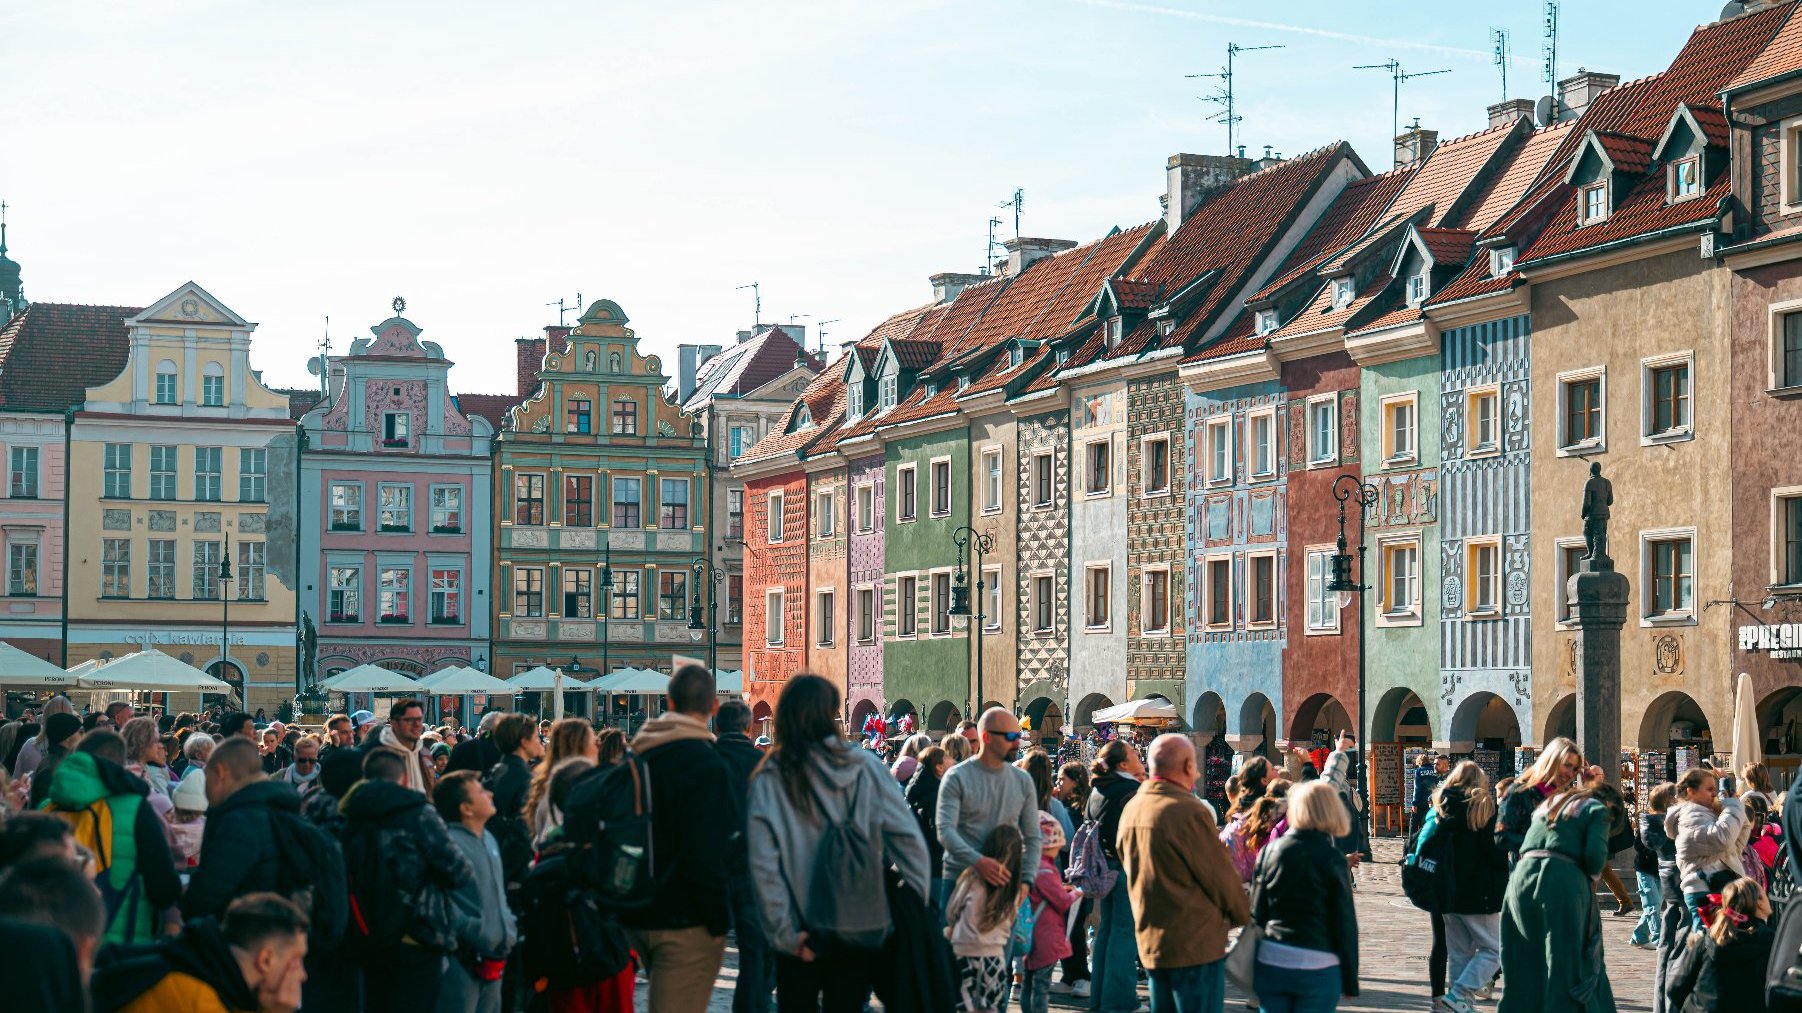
{"x": 109, "y": 812}
{"x": 681, "y": 935}
{"x": 510, "y": 781}
{"x": 472, "y": 981}
{"x": 1051, "y": 901}
{"x": 824, "y": 824}
{"x": 1474, "y": 871}
{"x": 403, "y": 870}
{"x": 980, "y": 919}
{"x": 1722, "y": 969}
{"x": 1117, "y": 771}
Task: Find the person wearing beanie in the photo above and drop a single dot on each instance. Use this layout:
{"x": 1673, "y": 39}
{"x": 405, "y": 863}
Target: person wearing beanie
{"x": 1051, "y": 901}
{"x": 61, "y": 733}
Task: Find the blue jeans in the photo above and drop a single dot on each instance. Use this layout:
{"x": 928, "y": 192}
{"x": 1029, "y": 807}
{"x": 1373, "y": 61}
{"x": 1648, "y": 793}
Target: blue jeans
{"x": 1200, "y": 988}
{"x": 1285, "y": 990}
{"x": 1646, "y": 929}
{"x": 1692, "y": 902}
{"x": 1116, "y": 978}
{"x": 1035, "y": 989}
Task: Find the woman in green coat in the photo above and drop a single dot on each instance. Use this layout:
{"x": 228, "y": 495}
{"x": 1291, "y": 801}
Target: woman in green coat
{"x": 1551, "y": 929}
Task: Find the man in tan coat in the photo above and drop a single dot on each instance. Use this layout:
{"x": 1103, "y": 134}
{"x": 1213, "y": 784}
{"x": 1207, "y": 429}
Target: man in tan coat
{"x": 1185, "y": 894}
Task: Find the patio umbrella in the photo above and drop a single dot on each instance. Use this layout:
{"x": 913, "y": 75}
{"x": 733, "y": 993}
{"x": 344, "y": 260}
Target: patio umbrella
{"x": 18, "y": 668}
{"x": 462, "y": 680}
{"x": 538, "y": 680}
{"x": 1136, "y": 710}
{"x": 635, "y": 681}
{"x": 153, "y": 670}
{"x": 730, "y": 682}
{"x": 369, "y": 679}
{"x": 1748, "y": 747}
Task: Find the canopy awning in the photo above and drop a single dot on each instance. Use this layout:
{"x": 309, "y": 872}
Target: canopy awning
{"x": 541, "y": 679}
{"x": 18, "y": 668}
{"x": 729, "y": 682}
{"x": 1134, "y": 711}
{"x": 152, "y": 670}
{"x": 634, "y": 681}
{"x": 461, "y": 680}
{"x": 369, "y": 679}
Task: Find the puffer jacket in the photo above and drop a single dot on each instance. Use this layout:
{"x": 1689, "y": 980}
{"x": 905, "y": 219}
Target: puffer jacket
{"x": 194, "y": 972}
{"x": 417, "y": 851}
{"x": 1706, "y": 842}
{"x": 91, "y": 793}
{"x": 1108, "y": 796}
{"x": 1707, "y": 976}
{"x": 242, "y": 849}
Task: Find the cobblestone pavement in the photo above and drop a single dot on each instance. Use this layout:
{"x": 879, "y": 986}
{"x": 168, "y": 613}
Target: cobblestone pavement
{"x": 1394, "y": 938}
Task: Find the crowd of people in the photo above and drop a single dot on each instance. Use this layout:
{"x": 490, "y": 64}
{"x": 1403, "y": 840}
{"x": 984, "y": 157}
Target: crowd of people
{"x": 219, "y": 862}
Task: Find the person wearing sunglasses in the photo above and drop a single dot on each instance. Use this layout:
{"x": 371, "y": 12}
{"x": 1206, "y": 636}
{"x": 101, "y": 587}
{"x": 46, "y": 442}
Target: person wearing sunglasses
{"x": 303, "y": 773}
{"x": 982, "y": 793}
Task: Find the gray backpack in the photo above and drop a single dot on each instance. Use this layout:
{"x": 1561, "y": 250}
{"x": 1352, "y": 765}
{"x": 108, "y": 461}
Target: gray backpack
{"x": 847, "y": 899}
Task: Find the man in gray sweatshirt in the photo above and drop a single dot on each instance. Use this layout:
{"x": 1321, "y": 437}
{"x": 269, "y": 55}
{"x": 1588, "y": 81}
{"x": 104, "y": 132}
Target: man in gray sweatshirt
{"x": 982, "y": 793}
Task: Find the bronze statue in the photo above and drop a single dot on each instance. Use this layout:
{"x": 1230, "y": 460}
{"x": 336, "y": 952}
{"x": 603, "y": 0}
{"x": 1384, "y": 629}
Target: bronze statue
{"x": 309, "y": 645}
{"x": 1598, "y": 496}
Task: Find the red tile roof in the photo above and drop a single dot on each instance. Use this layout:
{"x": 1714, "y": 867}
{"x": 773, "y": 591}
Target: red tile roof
{"x": 1709, "y": 61}
{"x": 1782, "y": 55}
{"x": 914, "y": 354}
{"x": 1643, "y": 212}
{"x": 53, "y": 352}
{"x": 1135, "y": 295}
{"x": 824, "y": 398}
{"x": 1629, "y": 154}
{"x": 1713, "y": 123}
{"x": 1447, "y": 175}
{"x": 492, "y": 407}
{"x": 1351, "y": 216}
{"x": 748, "y": 365}
{"x": 1448, "y": 246}
{"x": 1507, "y": 187}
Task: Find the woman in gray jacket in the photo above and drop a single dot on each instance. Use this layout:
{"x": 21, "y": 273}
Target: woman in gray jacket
{"x": 1710, "y": 832}
{"x": 812, "y": 777}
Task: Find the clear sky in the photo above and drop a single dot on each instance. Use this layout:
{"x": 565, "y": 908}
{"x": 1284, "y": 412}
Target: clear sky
{"x": 482, "y": 159}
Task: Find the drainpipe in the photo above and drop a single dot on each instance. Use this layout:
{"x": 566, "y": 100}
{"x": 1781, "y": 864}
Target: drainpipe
{"x": 68, "y": 431}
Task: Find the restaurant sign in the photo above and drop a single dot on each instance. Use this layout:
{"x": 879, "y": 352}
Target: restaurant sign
{"x": 1783, "y": 641}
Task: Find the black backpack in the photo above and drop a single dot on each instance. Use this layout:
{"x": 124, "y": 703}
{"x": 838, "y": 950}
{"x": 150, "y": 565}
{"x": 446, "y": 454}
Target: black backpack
{"x": 570, "y": 940}
{"x": 608, "y": 818}
{"x": 1427, "y": 871}
{"x": 312, "y": 875}
{"x": 378, "y": 912}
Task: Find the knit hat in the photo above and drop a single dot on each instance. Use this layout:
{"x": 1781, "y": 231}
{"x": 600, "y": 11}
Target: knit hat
{"x": 58, "y": 728}
{"x": 1051, "y": 833}
{"x": 190, "y": 794}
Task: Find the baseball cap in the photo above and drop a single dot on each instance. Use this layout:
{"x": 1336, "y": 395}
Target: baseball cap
{"x": 361, "y": 718}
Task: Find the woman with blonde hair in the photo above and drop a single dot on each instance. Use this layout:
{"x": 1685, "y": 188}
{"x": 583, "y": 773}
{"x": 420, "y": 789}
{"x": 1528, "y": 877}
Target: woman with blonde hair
{"x": 570, "y": 737}
{"x": 1555, "y": 770}
{"x": 1301, "y": 896}
{"x": 1464, "y": 808}
{"x": 1724, "y": 967}
{"x": 956, "y": 747}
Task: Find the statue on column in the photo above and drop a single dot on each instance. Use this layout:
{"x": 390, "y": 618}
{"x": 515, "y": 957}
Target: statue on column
{"x": 309, "y": 646}
{"x": 1598, "y": 496}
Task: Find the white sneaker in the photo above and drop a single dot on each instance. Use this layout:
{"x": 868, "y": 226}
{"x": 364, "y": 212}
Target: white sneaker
{"x": 1081, "y": 989}
{"x": 1059, "y": 988}
{"x": 1487, "y": 992}
{"x": 1454, "y": 1004}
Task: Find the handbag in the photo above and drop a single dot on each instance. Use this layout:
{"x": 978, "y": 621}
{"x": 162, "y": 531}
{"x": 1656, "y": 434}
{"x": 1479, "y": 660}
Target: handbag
{"x": 1242, "y": 959}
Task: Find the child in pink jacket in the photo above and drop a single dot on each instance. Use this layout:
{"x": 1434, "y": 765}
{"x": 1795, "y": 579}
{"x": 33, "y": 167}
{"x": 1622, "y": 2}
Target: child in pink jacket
{"x": 1051, "y": 900}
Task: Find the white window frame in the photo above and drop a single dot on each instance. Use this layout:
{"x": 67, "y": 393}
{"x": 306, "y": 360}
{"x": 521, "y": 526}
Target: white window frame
{"x": 775, "y": 633}
{"x": 866, "y": 508}
{"x": 1088, "y": 598}
{"x": 1345, "y": 291}
{"x": 825, "y": 602}
{"x": 1106, "y": 444}
{"x": 907, "y": 606}
{"x": 212, "y": 382}
{"x": 1474, "y": 396}
{"x": 1049, "y": 485}
{"x": 1501, "y": 261}
{"x": 1419, "y": 286}
{"x": 1561, "y": 603}
{"x": 1266, "y": 321}
{"x": 938, "y": 602}
{"x": 1386, "y": 615}
{"x": 825, "y": 512}
{"x": 1774, "y": 339}
{"x": 907, "y": 489}
{"x": 173, "y": 372}
{"x": 1145, "y": 490}
{"x": 1251, "y": 590}
{"x": 1327, "y": 455}
{"x": 1597, "y": 444}
{"x": 23, "y": 470}
{"x": 868, "y": 620}
{"x": 1207, "y": 591}
{"x": 1583, "y": 192}
{"x": 1394, "y": 456}
{"x": 1790, "y": 191}
{"x": 1671, "y": 177}
{"x": 1327, "y": 601}
{"x": 1779, "y": 497}
{"x": 1219, "y": 435}
{"x": 1043, "y": 602}
{"x": 1473, "y": 608}
{"x": 933, "y": 478}
{"x": 996, "y": 606}
{"x": 111, "y": 472}
{"x": 1260, "y": 467}
{"x": 1679, "y": 617}
{"x": 1147, "y": 576}
{"x": 775, "y": 523}
{"x": 993, "y": 480}
{"x": 1648, "y": 396}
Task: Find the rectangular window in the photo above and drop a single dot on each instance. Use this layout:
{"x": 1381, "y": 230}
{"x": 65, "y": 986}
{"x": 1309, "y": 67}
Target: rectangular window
{"x": 672, "y": 595}
{"x": 117, "y": 467}
{"x": 1595, "y": 202}
{"x": 1417, "y": 289}
{"x": 1686, "y": 177}
{"x": 1673, "y": 578}
{"x": 528, "y": 499}
{"x": 626, "y": 596}
{"x": 115, "y": 568}
{"x": 825, "y": 514}
{"x": 397, "y": 427}
{"x": 394, "y": 507}
{"x": 1044, "y": 603}
{"x": 825, "y": 618}
{"x": 212, "y": 391}
{"x": 626, "y": 493}
{"x": 205, "y": 571}
{"x": 907, "y": 606}
{"x": 347, "y": 507}
{"x": 1399, "y": 415}
{"x": 890, "y": 390}
{"x": 165, "y": 387}
{"x": 1788, "y": 365}
{"x": 1570, "y": 563}
{"x": 1582, "y": 415}
{"x": 159, "y": 566}
{"x": 1323, "y": 605}
{"x": 22, "y": 568}
{"x": 1097, "y": 473}
{"x": 1041, "y": 480}
{"x": 735, "y": 598}
{"x": 1344, "y": 291}
{"x": 1501, "y": 261}
{"x": 253, "y": 474}
{"x": 1789, "y": 540}
{"x": 739, "y": 440}
{"x": 1262, "y": 574}
{"x": 24, "y": 473}
{"x": 991, "y": 480}
{"x": 209, "y": 470}
{"x": 1154, "y": 464}
{"x": 774, "y": 620}
{"x": 1219, "y": 590}
{"x": 777, "y": 505}
{"x": 1323, "y": 429}
{"x": 1483, "y": 421}
{"x": 625, "y": 417}
{"x": 578, "y": 501}
{"x": 735, "y": 513}
{"x": 1260, "y": 443}
{"x": 941, "y": 488}
{"x": 991, "y": 591}
{"x": 1670, "y": 399}
{"x": 1154, "y": 607}
{"x": 580, "y": 414}
{"x": 1483, "y": 570}
{"x": 528, "y": 593}
{"x": 447, "y": 596}
{"x": 941, "y": 603}
{"x": 344, "y": 593}
{"x": 1400, "y": 590}
{"x": 1220, "y": 451}
{"x": 673, "y": 515}
{"x": 866, "y": 615}
{"x": 253, "y": 564}
{"x": 905, "y": 493}
{"x": 447, "y": 509}
{"x": 866, "y": 509}
{"x": 394, "y": 593}
{"x": 578, "y": 592}
{"x": 1097, "y": 607}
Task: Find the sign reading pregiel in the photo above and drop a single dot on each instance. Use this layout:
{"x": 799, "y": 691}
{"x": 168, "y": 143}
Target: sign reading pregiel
{"x": 1780, "y": 640}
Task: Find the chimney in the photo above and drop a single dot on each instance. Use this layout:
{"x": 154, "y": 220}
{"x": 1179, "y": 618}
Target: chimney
{"x": 1414, "y": 144}
{"x": 947, "y": 284}
{"x": 1022, "y": 252}
{"x": 688, "y": 362}
{"x": 1577, "y": 92}
{"x": 1503, "y": 113}
{"x": 1191, "y": 179}
{"x": 529, "y": 359}
{"x": 1268, "y": 160}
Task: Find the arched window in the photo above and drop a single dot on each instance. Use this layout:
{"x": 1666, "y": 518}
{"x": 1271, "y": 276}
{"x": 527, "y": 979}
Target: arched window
{"x": 212, "y": 385}
{"x": 166, "y": 383}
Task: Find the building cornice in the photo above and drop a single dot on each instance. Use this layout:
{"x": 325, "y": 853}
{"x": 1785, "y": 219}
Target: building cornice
{"x": 1300, "y": 346}
{"x": 1481, "y": 309}
{"x": 1260, "y": 366}
{"x": 1393, "y": 344}
{"x": 1623, "y": 251}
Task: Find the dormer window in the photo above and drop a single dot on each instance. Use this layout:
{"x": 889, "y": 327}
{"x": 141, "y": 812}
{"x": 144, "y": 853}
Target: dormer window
{"x": 1114, "y": 328}
{"x": 1595, "y": 202}
{"x": 856, "y": 400}
{"x": 1166, "y": 327}
{"x": 803, "y": 417}
{"x": 1266, "y": 321}
{"x": 1015, "y": 356}
{"x": 891, "y": 388}
{"x": 1063, "y": 356}
{"x": 963, "y": 383}
{"x": 1686, "y": 178}
{"x": 931, "y": 389}
{"x": 1501, "y": 261}
{"x": 1417, "y": 288}
{"x": 1344, "y": 291}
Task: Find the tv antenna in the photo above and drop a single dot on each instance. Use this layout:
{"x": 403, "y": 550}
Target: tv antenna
{"x": 756, "y": 303}
{"x": 1498, "y": 38}
{"x": 563, "y": 307}
{"x": 319, "y": 365}
{"x": 820, "y": 339}
{"x": 1551, "y": 44}
{"x": 1017, "y": 201}
{"x": 1399, "y": 77}
{"x": 1224, "y": 97}
{"x": 989, "y": 257}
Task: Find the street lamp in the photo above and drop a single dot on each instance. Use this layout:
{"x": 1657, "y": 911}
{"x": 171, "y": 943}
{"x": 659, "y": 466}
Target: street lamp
{"x": 1348, "y": 488}
{"x": 706, "y": 624}
{"x": 606, "y": 603}
{"x": 225, "y": 651}
{"x": 964, "y": 538}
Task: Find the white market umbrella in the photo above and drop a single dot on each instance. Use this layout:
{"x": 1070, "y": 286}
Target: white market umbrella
{"x": 153, "y": 670}
{"x": 369, "y": 679}
{"x": 730, "y": 682}
{"x": 88, "y": 667}
{"x": 538, "y": 680}
{"x": 1747, "y": 746}
{"x": 1135, "y": 710}
{"x": 635, "y": 681}
{"x": 18, "y": 668}
{"x": 462, "y": 680}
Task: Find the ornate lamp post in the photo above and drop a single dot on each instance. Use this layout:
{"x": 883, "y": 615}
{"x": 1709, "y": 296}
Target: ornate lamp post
{"x": 964, "y": 538}
{"x": 225, "y": 650}
{"x": 706, "y": 624}
{"x": 606, "y": 613}
{"x": 1349, "y": 488}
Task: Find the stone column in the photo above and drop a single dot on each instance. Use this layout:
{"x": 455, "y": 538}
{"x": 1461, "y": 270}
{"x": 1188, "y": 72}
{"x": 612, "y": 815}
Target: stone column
{"x": 1598, "y": 600}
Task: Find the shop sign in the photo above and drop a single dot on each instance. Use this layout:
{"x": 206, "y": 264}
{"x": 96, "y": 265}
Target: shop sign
{"x": 148, "y": 640}
{"x": 1782, "y": 641}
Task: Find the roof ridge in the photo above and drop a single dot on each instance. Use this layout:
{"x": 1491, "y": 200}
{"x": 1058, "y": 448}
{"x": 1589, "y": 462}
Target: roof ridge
{"x": 1475, "y": 133}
